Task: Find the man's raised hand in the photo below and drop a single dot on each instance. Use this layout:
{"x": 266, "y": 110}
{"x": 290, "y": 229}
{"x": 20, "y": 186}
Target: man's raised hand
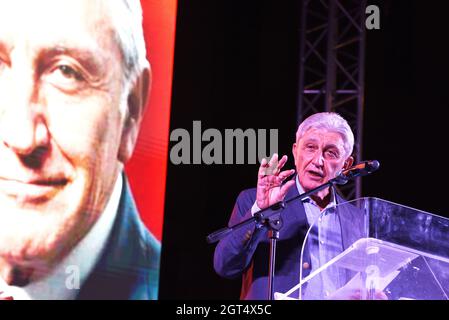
{"x": 269, "y": 183}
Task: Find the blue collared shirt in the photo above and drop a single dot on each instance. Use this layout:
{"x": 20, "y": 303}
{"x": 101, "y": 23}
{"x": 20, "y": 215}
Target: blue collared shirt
{"x": 324, "y": 242}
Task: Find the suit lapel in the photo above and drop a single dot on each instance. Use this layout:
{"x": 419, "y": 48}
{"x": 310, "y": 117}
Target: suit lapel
{"x": 128, "y": 267}
{"x": 296, "y": 211}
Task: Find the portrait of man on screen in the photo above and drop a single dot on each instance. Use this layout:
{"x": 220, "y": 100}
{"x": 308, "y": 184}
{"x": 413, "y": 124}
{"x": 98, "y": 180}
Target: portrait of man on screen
{"x": 74, "y": 82}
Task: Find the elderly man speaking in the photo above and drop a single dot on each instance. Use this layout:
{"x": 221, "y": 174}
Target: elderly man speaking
{"x": 74, "y": 81}
{"x": 323, "y": 147}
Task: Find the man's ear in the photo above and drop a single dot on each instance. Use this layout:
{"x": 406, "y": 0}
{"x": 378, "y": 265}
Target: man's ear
{"x": 136, "y": 103}
{"x": 294, "y": 146}
{"x": 348, "y": 163}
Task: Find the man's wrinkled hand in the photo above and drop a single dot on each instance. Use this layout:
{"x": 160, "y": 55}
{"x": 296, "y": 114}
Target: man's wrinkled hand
{"x": 270, "y": 187}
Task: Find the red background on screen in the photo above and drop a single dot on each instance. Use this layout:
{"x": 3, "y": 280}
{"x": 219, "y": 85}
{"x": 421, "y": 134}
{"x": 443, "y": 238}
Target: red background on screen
{"x": 147, "y": 168}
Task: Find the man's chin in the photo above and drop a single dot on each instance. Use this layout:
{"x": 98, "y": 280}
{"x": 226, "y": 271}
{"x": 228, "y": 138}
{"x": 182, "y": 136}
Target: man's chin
{"x": 35, "y": 238}
{"x": 309, "y": 184}
{"x": 27, "y": 249}
{"x": 20, "y": 271}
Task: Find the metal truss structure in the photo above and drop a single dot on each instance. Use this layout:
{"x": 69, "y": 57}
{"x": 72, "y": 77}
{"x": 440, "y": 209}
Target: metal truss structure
{"x": 331, "y": 67}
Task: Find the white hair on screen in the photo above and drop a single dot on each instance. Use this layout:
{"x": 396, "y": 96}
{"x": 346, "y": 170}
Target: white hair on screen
{"x": 127, "y": 21}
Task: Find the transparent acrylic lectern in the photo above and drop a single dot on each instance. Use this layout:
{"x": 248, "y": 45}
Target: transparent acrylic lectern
{"x": 370, "y": 248}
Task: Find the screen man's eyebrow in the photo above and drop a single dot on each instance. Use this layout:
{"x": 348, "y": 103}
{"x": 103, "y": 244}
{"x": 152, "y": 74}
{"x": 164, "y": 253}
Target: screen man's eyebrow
{"x": 89, "y": 59}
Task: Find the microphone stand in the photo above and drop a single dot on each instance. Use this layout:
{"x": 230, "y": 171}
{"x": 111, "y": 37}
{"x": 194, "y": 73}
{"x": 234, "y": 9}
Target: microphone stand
{"x": 270, "y": 217}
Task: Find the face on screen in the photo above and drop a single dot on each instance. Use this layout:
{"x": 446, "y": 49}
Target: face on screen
{"x": 61, "y": 124}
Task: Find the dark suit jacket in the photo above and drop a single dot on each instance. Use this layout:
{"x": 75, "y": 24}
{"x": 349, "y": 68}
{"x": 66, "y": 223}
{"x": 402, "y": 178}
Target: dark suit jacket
{"x": 235, "y": 256}
{"x": 129, "y": 265}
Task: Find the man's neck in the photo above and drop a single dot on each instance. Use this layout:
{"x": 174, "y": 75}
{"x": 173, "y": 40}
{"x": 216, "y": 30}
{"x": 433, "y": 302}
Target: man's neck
{"x": 322, "y": 198}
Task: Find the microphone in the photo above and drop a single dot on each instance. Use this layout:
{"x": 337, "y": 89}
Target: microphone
{"x": 359, "y": 170}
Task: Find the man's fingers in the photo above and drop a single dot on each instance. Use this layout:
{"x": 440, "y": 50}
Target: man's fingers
{"x": 282, "y": 162}
{"x": 270, "y": 175}
{"x": 273, "y": 160}
{"x": 270, "y": 181}
{"x": 268, "y": 167}
{"x": 263, "y": 168}
{"x": 285, "y": 174}
{"x": 276, "y": 166}
{"x": 284, "y": 189}
{"x": 273, "y": 167}
{"x": 279, "y": 179}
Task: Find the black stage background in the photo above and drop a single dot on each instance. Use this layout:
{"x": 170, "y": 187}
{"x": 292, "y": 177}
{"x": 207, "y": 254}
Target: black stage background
{"x": 236, "y": 66}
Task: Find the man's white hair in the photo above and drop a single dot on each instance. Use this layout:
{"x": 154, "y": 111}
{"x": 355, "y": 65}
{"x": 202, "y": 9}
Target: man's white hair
{"x": 127, "y": 20}
{"x": 330, "y": 121}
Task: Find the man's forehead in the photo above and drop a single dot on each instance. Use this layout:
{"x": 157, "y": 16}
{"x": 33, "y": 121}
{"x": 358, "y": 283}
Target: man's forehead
{"x": 323, "y": 136}
{"x": 45, "y": 18}
{"x": 71, "y": 25}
